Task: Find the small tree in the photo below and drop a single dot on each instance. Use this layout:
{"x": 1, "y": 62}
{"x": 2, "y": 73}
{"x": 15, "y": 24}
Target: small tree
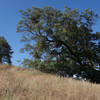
{"x": 5, "y": 51}
{"x": 64, "y": 39}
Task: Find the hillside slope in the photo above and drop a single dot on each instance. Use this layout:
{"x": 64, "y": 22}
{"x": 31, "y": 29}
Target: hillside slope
{"x": 27, "y": 84}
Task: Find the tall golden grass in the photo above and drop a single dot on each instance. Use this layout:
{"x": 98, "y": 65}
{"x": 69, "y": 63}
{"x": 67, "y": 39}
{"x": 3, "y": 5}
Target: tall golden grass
{"x": 27, "y": 84}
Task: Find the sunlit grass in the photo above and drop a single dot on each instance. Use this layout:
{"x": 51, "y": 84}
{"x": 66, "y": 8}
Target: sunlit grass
{"x": 27, "y": 84}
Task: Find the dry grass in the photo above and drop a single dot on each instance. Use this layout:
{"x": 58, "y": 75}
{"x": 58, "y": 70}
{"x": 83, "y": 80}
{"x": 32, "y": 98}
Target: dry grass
{"x": 26, "y": 84}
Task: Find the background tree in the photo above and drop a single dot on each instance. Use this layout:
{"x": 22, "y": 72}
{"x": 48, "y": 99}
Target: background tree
{"x": 5, "y": 51}
{"x": 61, "y": 41}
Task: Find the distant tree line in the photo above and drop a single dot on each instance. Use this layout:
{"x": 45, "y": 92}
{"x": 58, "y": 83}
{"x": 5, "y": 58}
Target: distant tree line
{"x": 5, "y": 51}
{"x": 61, "y": 41}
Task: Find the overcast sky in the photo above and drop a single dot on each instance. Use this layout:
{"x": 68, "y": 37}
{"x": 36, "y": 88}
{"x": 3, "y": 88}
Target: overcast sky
{"x": 9, "y": 17}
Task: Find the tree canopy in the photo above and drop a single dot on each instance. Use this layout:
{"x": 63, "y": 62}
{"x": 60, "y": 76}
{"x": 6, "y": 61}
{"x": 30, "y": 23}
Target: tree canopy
{"x": 5, "y": 51}
{"x": 61, "y": 40}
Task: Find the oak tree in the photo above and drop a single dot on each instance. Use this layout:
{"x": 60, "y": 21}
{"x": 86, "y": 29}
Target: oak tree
{"x": 61, "y": 40}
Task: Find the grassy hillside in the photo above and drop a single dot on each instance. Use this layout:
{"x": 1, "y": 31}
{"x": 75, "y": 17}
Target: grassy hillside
{"x": 26, "y": 84}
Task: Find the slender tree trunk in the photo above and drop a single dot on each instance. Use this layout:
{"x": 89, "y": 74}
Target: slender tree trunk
{"x": 0, "y": 59}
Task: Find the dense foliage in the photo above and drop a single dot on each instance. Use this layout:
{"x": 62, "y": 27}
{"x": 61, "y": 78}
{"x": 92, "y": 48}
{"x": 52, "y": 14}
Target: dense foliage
{"x": 5, "y": 51}
{"x": 61, "y": 41}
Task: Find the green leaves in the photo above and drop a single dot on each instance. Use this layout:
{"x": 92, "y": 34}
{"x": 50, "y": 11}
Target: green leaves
{"x": 5, "y": 51}
{"x": 62, "y": 37}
